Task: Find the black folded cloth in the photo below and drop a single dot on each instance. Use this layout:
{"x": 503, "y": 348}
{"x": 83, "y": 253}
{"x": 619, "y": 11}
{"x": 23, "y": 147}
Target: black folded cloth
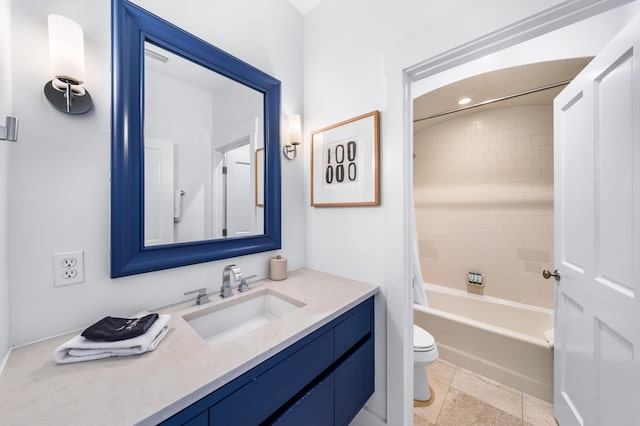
{"x": 112, "y": 329}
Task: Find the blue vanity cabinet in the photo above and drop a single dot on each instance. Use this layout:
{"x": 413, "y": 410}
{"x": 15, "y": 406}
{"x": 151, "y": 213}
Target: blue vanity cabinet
{"x": 323, "y": 379}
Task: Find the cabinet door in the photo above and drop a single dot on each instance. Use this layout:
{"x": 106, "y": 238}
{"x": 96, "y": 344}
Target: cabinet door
{"x": 315, "y": 408}
{"x": 354, "y": 383}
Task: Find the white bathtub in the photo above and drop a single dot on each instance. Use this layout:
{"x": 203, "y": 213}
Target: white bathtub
{"x": 496, "y": 338}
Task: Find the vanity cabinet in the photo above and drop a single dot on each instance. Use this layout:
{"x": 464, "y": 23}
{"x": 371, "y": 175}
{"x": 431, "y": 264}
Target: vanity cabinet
{"x": 323, "y": 379}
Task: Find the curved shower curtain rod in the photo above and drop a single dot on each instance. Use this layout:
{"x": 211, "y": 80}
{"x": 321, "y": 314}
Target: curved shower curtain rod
{"x": 490, "y": 101}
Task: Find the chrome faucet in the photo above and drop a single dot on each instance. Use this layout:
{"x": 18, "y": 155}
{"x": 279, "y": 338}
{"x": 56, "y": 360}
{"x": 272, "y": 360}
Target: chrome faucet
{"x": 202, "y": 297}
{"x": 225, "y": 289}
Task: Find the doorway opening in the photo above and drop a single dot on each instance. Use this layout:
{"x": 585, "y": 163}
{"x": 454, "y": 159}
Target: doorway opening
{"x": 431, "y": 72}
{"x": 233, "y": 197}
{"x": 483, "y": 181}
{"x": 483, "y": 198}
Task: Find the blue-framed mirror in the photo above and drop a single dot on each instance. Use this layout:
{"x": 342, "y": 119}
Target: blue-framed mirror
{"x": 195, "y": 164}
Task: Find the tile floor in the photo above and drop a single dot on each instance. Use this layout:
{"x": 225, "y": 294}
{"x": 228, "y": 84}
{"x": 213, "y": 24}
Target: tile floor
{"x": 463, "y": 397}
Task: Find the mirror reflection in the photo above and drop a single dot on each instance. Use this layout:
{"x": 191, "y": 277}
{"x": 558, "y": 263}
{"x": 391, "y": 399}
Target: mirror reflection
{"x": 203, "y": 145}
{"x": 176, "y": 211}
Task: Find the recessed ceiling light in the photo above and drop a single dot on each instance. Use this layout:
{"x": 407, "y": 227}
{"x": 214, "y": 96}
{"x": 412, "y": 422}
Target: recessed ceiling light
{"x": 464, "y": 101}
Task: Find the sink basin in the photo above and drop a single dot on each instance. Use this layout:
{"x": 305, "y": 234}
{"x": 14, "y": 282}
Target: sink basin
{"x": 227, "y": 320}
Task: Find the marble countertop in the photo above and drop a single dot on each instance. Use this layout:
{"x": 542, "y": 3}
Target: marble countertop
{"x": 148, "y": 388}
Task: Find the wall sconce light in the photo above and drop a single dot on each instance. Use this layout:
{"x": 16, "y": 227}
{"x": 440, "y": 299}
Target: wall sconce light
{"x": 10, "y": 131}
{"x": 295, "y": 137}
{"x": 66, "y": 91}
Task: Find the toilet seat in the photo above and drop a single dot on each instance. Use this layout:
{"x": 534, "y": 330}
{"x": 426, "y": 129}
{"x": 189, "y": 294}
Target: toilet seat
{"x": 423, "y": 341}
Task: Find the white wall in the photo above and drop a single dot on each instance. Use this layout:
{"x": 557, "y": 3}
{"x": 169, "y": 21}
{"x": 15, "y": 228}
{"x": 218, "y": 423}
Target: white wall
{"x": 182, "y": 113}
{"x": 5, "y": 109}
{"x": 60, "y": 169}
{"x": 356, "y": 56}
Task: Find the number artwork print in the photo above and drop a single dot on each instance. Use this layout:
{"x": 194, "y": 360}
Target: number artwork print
{"x": 341, "y": 162}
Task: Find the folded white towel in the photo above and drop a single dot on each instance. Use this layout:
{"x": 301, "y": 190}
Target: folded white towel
{"x": 80, "y": 349}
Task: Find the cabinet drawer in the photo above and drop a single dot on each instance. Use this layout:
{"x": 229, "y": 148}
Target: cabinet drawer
{"x": 266, "y": 393}
{"x": 354, "y": 383}
{"x": 200, "y": 420}
{"x": 354, "y": 328}
{"x": 315, "y": 408}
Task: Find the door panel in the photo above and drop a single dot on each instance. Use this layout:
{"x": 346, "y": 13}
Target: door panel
{"x": 571, "y": 362}
{"x": 614, "y": 195}
{"x": 614, "y": 355}
{"x": 576, "y": 191}
{"x": 158, "y": 192}
{"x": 597, "y": 237}
{"x": 240, "y": 197}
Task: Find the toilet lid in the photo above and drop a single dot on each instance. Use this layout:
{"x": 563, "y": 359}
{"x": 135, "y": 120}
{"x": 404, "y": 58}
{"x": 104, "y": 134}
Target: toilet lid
{"x": 422, "y": 339}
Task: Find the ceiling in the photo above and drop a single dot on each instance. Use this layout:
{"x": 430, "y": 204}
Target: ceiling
{"x": 494, "y": 85}
{"x": 182, "y": 69}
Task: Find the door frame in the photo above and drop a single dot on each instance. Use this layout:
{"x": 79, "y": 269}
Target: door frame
{"x": 241, "y": 134}
{"x": 405, "y": 65}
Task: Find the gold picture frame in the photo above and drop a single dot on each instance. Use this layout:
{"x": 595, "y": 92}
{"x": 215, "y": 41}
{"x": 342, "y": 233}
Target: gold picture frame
{"x": 345, "y": 163}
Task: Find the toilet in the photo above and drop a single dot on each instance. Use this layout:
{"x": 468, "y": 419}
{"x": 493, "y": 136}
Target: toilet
{"x": 425, "y": 352}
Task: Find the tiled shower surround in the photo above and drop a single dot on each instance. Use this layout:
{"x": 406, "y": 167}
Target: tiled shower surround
{"x": 483, "y": 188}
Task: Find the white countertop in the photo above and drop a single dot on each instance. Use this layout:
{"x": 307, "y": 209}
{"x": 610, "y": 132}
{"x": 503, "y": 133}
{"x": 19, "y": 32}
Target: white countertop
{"x": 148, "y": 388}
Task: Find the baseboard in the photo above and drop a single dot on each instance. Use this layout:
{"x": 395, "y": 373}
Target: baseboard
{"x": 4, "y": 361}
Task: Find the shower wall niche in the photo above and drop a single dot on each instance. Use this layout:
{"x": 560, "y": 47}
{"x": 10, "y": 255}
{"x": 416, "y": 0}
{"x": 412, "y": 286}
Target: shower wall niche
{"x": 483, "y": 188}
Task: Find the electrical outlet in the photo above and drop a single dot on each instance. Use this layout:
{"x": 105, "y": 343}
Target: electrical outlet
{"x": 69, "y": 262}
{"x": 68, "y": 268}
{"x": 69, "y": 273}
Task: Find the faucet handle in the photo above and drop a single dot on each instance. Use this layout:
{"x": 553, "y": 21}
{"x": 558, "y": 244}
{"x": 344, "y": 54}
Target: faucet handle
{"x": 202, "y": 297}
{"x": 244, "y": 286}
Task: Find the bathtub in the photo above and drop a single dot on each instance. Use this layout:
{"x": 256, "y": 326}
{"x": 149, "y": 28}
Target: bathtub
{"x": 499, "y": 339}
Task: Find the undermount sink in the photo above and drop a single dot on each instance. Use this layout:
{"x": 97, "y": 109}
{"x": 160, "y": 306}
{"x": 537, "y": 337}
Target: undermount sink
{"x": 240, "y": 314}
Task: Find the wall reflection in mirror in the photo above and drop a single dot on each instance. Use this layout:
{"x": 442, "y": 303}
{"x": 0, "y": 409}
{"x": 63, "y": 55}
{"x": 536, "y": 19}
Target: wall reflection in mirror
{"x": 203, "y": 136}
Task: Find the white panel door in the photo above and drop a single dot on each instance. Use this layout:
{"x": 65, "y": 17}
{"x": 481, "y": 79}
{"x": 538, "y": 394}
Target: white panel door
{"x": 597, "y": 239}
{"x": 158, "y": 192}
{"x": 240, "y": 197}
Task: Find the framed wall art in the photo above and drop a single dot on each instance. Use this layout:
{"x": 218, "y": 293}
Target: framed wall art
{"x": 345, "y": 163}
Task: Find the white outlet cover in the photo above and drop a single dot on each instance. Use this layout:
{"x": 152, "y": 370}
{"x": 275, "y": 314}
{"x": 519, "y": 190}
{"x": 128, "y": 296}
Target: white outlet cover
{"x": 64, "y": 274}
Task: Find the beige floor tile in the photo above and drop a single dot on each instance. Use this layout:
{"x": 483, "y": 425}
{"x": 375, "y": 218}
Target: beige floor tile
{"x": 419, "y": 421}
{"x": 461, "y": 409}
{"x": 432, "y": 412}
{"x": 537, "y": 412}
{"x": 442, "y": 371}
{"x": 494, "y": 393}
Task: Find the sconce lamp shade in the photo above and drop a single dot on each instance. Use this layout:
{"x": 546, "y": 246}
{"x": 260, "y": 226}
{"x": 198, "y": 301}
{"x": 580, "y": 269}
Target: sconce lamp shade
{"x": 295, "y": 129}
{"x": 66, "y": 92}
{"x": 66, "y": 49}
{"x": 290, "y": 150}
